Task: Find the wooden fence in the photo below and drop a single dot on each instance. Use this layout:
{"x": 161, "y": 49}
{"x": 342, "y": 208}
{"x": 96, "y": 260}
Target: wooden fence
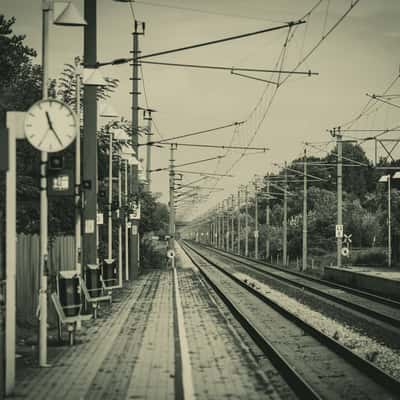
{"x": 61, "y": 257}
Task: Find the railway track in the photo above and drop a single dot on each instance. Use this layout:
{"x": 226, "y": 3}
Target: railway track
{"x": 314, "y": 365}
{"x": 379, "y": 308}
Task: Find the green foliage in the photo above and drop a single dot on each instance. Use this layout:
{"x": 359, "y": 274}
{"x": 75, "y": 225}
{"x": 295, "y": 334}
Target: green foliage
{"x": 20, "y": 79}
{"x": 154, "y": 215}
{"x": 376, "y": 257}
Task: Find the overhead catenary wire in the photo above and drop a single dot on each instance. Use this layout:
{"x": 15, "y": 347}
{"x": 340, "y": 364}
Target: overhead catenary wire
{"x": 198, "y": 132}
{"x": 227, "y": 68}
{"x": 208, "y": 12}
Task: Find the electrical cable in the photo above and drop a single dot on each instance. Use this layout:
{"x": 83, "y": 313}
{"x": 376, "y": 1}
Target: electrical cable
{"x": 147, "y": 3}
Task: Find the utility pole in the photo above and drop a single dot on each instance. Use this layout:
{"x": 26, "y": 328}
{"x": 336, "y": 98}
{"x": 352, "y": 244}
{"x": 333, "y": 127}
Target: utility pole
{"x": 4, "y": 310}
{"x": 339, "y": 192}
{"x": 120, "y": 261}
{"x": 110, "y": 195}
{"x": 246, "y": 222}
{"x": 89, "y": 170}
{"x": 238, "y": 220}
{"x": 134, "y": 237}
{"x": 233, "y": 224}
{"x": 255, "y": 222}
{"x": 267, "y": 221}
{"x": 218, "y": 227}
{"x": 126, "y": 192}
{"x": 284, "y": 250}
{"x": 389, "y": 221}
{"x": 147, "y": 117}
{"x": 78, "y": 203}
{"x": 305, "y": 214}
{"x": 222, "y": 226}
{"x": 171, "y": 241}
{"x": 227, "y": 235}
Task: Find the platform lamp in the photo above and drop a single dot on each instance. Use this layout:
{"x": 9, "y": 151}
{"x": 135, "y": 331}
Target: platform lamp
{"x": 121, "y": 136}
{"x": 108, "y": 111}
{"x": 127, "y": 155}
{"x": 88, "y": 77}
{"x": 69, "y": 16}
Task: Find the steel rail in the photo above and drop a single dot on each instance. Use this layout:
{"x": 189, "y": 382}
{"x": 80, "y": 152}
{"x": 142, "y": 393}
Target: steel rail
{"x": 375, "y": 373}
{"x": 349, "y": 304}
{"x": 302, "y": 389}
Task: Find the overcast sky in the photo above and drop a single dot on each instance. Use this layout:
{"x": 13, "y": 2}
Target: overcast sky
{"x": 360, "y": 56}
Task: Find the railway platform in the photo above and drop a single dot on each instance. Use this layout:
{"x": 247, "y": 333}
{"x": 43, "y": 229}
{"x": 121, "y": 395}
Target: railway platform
{"x": 381, "y": 281}
{"x": 164, "y": 337}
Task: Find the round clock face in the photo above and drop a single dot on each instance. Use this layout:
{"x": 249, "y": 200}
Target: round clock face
{"x": 50, "y": 125}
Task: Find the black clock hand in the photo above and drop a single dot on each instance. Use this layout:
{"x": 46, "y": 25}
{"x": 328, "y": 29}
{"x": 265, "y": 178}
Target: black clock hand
{"x": 52, "y": 129}
{"x": 57, "y": 137}
{"x": 49, "y": 121}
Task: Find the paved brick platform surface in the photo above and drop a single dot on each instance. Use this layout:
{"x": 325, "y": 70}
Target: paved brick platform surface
{"x": 163, "y": 337}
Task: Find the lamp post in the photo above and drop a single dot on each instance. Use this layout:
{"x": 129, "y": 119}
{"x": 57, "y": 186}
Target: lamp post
{"x": 121, "y": 136}
{"x": 68, "y": 17}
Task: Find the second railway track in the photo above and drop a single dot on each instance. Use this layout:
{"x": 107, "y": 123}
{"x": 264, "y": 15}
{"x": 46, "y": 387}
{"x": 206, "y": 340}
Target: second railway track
{"x": 379, "y": 308}
{"x": 316, "y": 366}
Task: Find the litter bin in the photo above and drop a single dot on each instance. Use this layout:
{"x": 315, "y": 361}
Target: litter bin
{"x": 93, "y": 283}
{"x": 69, "y": 293}
{"x": 109, "y": 272}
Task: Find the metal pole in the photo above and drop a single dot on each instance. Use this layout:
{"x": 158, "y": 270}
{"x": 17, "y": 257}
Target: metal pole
{"x": 267, "y": 222}
{"x": 148, "y": 151}
{"x": 227, "y": 237}
{"x": 238, "y": 219}
{"x": 89, "y": 153}
{"x": 171, "y": 203}
{"x": 78, "y": 206}
{"x": 134, "y": 238}
{"x": 218, "y": 224}
{"x": 46, "y": 8}
{"x": 256, "y": 224}
{"x": 389, "y": 222}
{"x": 119, "y": 224}
{"x": 246, "y": 222}
{"x": 339, "y": 195}
{"x": 222, "y": 226}
{"x": 233, "y": 224}
{"x": 284, "y": 250}
{"x": 305, "y": 214}
{"x": 10, "y": 261}
{"x": 110, "y": 187}
{"x": 126, "y": 222}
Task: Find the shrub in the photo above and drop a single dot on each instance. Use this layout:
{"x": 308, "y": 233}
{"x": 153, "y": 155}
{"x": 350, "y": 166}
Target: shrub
{"x": 375, "y": 257}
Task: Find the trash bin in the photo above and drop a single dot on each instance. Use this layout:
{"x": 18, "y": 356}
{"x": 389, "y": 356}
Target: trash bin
{"x": 69, "y": 293}
{"x": 93, "y": 283}
{"x": 109, "y": 272}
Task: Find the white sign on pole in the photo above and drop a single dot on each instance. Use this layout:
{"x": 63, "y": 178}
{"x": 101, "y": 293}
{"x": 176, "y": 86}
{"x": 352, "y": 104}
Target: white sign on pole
{"x": 134, "y": 230}
{"x": 339, "y": 231}
{"x": 89, "y": 226}
{"x": 256, "y": 234}
{"x": 100, "y": 219}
